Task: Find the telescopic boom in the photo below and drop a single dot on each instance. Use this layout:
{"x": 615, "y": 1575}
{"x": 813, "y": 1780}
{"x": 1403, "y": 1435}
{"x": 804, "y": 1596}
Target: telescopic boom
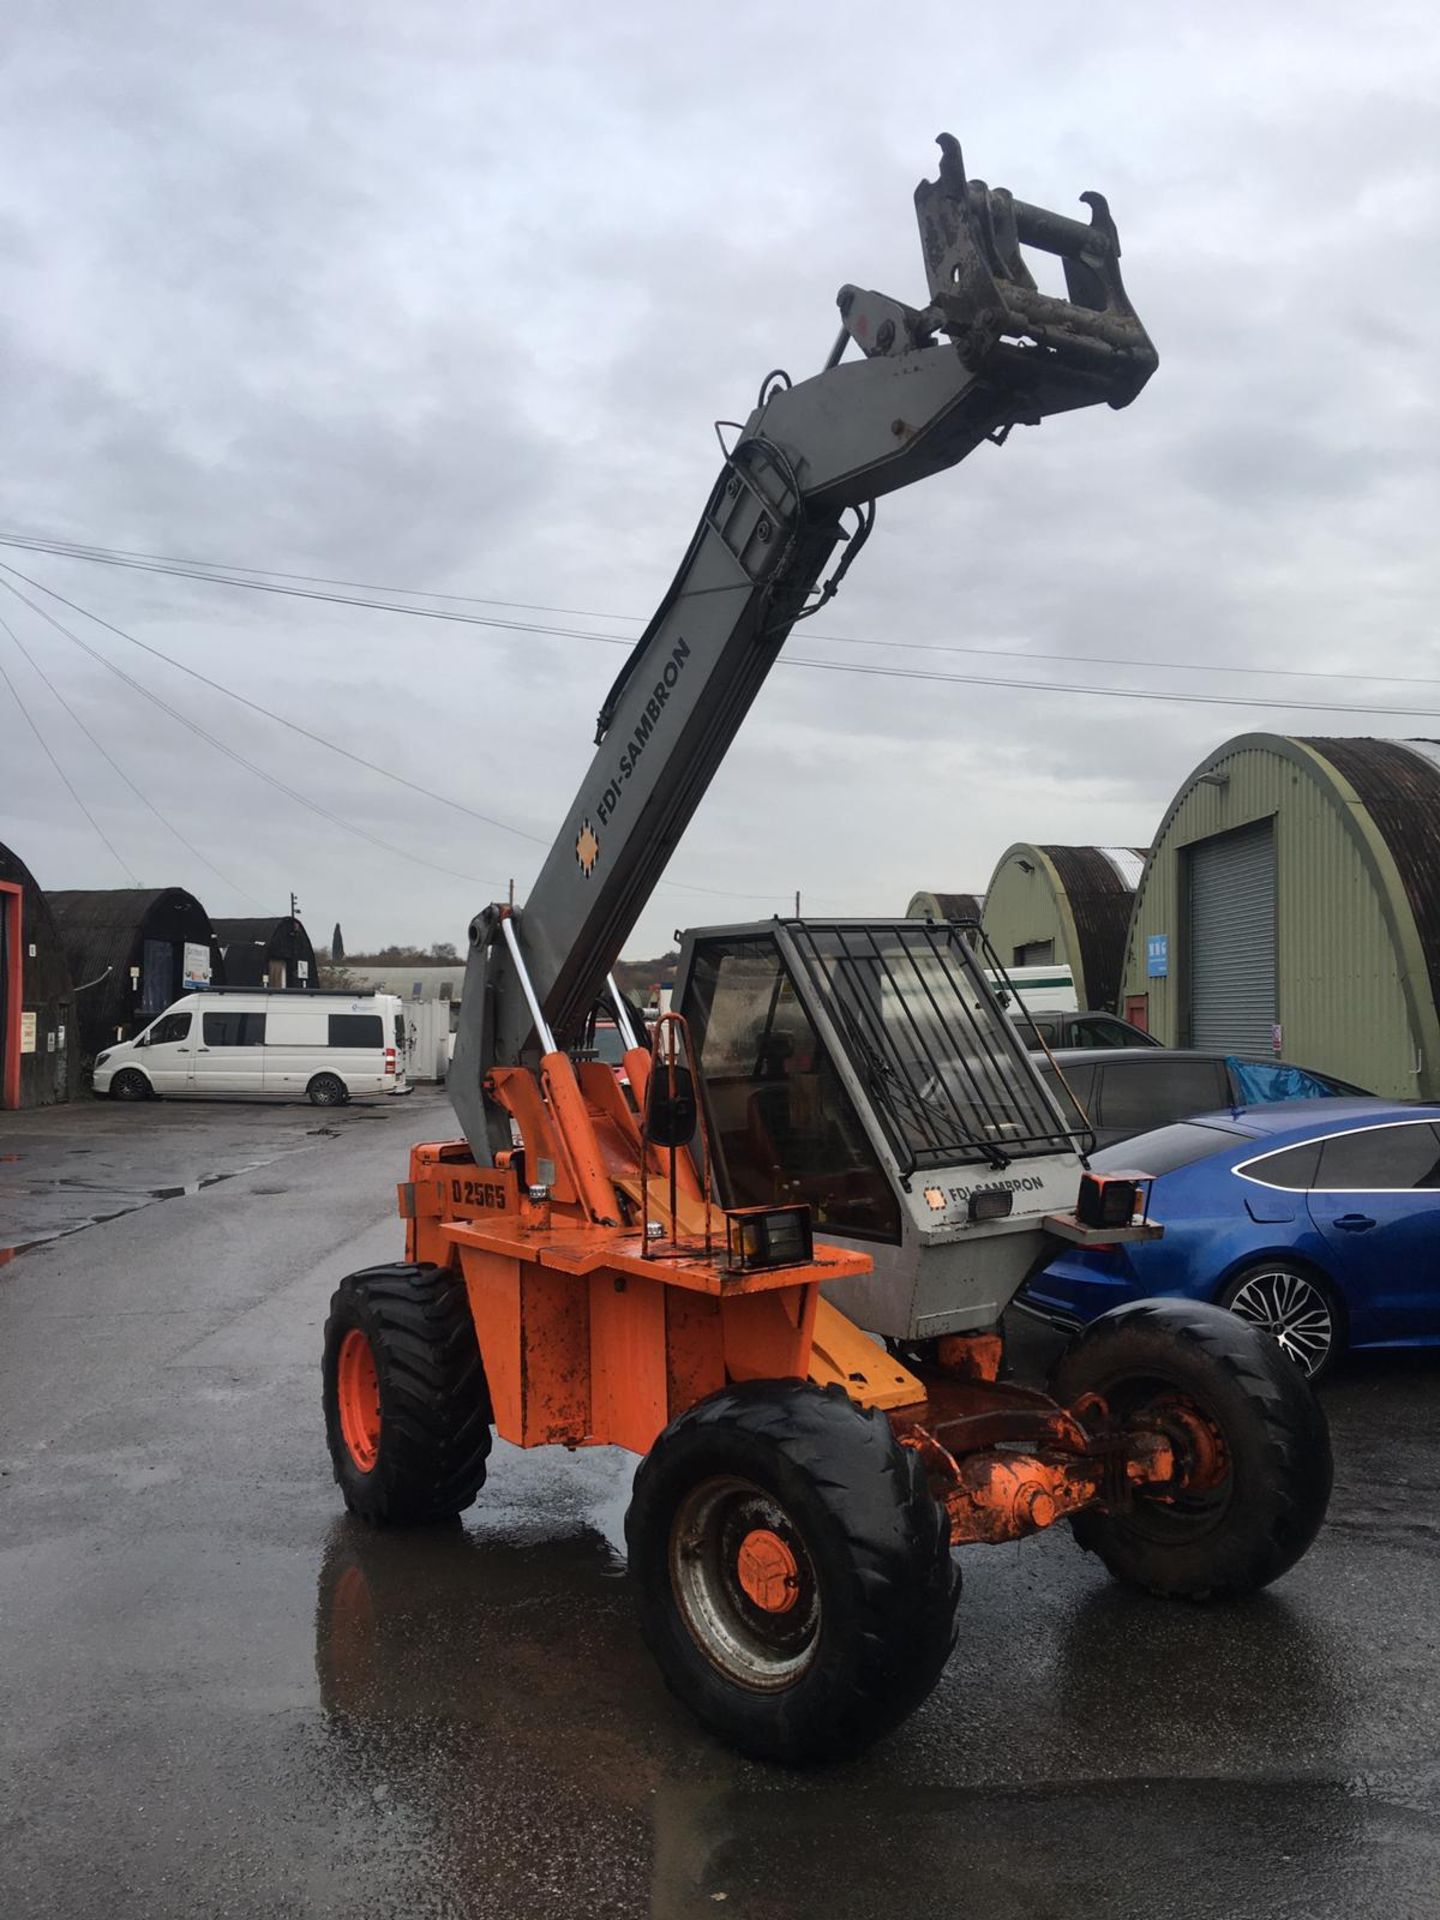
{"x": 799, "y": 480}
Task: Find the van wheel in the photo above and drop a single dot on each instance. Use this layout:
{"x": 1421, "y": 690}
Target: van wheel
{"x": 130, "y": 1084}
{"x": 328, "y": 1090}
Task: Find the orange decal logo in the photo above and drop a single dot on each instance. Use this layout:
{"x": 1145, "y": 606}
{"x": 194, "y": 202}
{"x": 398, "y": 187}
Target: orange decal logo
{"x": 935, "y": 1198}
{"x": 587, "y": 848}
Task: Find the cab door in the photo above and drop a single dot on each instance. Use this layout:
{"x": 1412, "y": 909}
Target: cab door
{"x": 1376, "y": 1204}
{"x": 169, "y": 1057}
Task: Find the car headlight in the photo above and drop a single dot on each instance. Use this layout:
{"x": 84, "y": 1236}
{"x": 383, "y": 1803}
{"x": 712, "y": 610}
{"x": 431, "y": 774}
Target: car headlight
{"x": 101, "y": 1058}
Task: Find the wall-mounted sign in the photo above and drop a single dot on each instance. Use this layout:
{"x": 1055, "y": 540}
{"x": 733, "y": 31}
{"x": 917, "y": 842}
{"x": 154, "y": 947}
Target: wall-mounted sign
{"x": 1157, "y": 956}
{"x": 27, "y": 1030}
{"x": 302, "y": 967}
{"x": 197, "y": 965}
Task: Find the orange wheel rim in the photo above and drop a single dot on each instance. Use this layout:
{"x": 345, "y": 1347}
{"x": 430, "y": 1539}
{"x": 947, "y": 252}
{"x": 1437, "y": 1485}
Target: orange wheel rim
{"x": 768, "y": 1571}
{"x": 358, "y": 1391}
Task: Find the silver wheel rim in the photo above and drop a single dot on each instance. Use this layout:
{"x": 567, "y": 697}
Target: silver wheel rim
{"x": 1294, "y": 1311}
{"x": 762, "y": 1651}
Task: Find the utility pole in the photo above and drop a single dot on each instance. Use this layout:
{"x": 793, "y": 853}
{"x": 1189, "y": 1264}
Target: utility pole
{"x": 797, "y": 903}
{"x": 294, "y": 907}
{"x": 512, "y": 893}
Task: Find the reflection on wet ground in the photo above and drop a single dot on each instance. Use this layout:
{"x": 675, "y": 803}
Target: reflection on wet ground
{"x": 1154, "y": 1760}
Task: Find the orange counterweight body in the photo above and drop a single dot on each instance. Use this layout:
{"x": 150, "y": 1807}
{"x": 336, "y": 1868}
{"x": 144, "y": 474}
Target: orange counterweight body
{"x": 589, "y": 1335}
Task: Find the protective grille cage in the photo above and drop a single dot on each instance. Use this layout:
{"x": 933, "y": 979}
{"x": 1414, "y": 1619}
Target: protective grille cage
{"x": 949, "y": 1076}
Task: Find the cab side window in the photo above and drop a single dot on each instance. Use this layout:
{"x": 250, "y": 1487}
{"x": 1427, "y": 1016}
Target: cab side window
{"x": 1381, "y": 1160}
{"x": 175, "y": 1026}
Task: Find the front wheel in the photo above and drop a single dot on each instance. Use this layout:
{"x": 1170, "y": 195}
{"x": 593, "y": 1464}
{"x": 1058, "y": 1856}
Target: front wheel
{"x": 130, "y": 1084}
{"x": 407, "y": 1414}
{"x": 1240, "y": 1412}
{"x": 328, "y": 1090}
{"x": 792, "y": 1570}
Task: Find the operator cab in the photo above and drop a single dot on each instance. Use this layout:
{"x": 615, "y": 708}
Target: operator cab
{"x": 869, "y": 1070}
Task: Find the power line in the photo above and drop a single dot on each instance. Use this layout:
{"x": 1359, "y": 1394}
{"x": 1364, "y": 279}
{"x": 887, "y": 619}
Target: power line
{"x": 69, "y": 785}
{"x": 816, "y": 666}
{"x": 110, "y": 760}
{"x": 1127, "y": 693}
{"x": 294, "y": 726}
{"x": 313, "y": 806}
{"x": 684, "y": 886}
{"x": 220, "y": 574}
{"x": 133, "y": 556}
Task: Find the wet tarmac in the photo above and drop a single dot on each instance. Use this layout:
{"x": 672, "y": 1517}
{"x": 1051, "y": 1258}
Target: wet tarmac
{"x": 63, "y": 1169}
{"x": 218, "y": 1696}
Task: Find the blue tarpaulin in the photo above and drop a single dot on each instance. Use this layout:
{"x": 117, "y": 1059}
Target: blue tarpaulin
{"x": 1261, "y": 1080}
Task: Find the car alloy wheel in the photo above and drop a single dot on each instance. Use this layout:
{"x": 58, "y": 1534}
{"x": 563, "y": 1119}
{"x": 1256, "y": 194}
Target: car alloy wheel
{"x": 1291, "y": 1308}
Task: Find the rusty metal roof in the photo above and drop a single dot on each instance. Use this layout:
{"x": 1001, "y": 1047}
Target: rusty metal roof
{"x": 1100, "y": 901}
{"x": 1399, "y": 783}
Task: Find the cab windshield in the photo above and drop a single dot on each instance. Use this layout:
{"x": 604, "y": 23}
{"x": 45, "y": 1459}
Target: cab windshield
{"x": 949, "y": 1077}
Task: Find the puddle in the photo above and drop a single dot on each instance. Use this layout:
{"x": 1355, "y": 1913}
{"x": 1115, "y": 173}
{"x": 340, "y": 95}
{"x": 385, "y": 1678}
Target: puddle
{"x": 145, "y": 1196}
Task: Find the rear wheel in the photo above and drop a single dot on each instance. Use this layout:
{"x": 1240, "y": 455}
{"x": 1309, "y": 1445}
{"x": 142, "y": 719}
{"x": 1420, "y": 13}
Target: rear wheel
{"x": 407, "y": 1414}
{"x": 792, "y": 1570}
{"x": 1297, "y": 1309}
{"x": 328, "y": 1090}
{"x": 1243, "y": 1418}
{"x": 130, "y": 1084}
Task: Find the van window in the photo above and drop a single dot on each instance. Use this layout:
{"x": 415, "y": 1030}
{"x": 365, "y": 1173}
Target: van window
{"x": 164, "y": 1033}
{"x": 234, "y": 1029}
{"x": 1292, "y": 1169}
{"x": 1167, "y": 1149}
{"x": 1071, "y": 1084}
{"x": 1141, "y": 1093}
{"x": 1101, "y": 1030}
{"x": 356, "y": 1030}
{"x": 1381, "y": 1160}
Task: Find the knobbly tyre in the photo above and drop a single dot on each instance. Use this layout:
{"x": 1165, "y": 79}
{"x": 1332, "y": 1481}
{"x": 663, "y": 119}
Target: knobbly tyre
{"x": 584, "y": 1268}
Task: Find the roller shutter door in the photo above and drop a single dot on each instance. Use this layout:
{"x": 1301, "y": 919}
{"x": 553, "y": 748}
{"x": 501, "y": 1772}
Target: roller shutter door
{"x": 1232, "y": 941}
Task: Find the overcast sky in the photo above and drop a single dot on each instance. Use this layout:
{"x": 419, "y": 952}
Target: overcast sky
{"x": 447, "y": 297}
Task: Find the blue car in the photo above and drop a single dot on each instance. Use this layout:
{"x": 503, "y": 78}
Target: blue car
{"x": 1318, "y": 1220}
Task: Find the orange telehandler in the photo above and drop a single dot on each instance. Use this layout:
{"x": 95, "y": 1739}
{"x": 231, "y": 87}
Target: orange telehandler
{"x": 820, "y": 1420}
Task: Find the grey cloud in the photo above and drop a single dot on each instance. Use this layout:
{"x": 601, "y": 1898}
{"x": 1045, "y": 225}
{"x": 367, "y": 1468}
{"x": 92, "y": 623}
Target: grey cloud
{"x": 450, "y": 298}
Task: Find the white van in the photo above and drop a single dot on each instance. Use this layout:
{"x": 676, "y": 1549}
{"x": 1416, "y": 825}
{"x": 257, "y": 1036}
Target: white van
{"x": 243, "y": 1043}
{"x": 1047, "y": 989}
